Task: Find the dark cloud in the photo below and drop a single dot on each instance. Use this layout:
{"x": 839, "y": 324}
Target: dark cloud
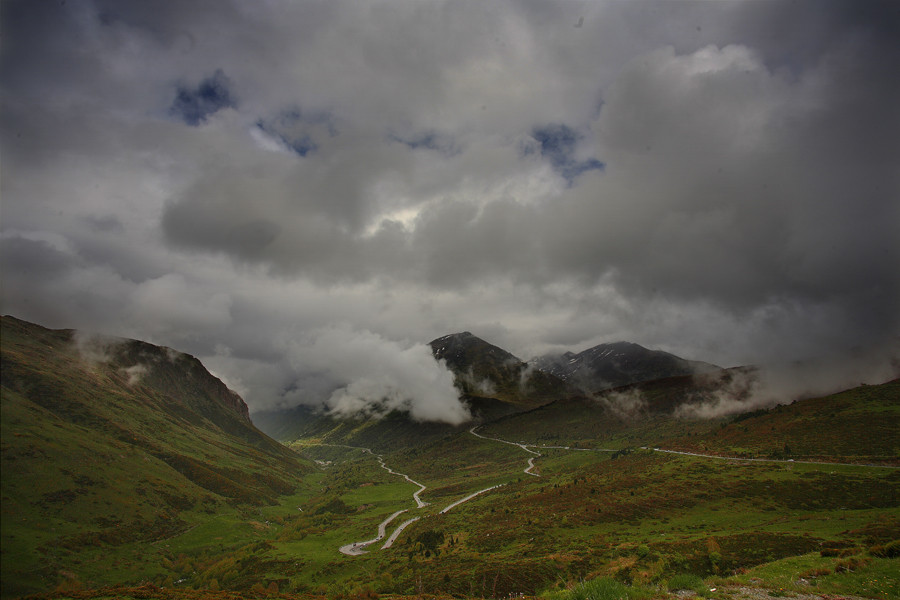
{"x": 23, "y": 258}
{"x": 714, "y": 179}
{"x": 105, "y": 223}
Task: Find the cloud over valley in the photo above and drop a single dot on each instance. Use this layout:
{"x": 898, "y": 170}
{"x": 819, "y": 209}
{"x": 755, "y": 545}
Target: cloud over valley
{"x": 304, "y": 194}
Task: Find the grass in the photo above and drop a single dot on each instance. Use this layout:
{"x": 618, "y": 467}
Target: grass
{"x": 99, "y": 472}
{"x": 105, "y": 490}
{"x": 536, "y": 531}
{"x": 866, "y": 576}
{"x": 602, "y": 588}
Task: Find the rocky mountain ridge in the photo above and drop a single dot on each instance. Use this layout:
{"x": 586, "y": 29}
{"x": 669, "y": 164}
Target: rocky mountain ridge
{"x": 616, "y": 364}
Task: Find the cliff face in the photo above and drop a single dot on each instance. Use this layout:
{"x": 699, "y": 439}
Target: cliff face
{"x": 182, "y": 375}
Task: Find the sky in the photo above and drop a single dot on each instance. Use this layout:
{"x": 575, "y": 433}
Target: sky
{"x": 303, "y": 194}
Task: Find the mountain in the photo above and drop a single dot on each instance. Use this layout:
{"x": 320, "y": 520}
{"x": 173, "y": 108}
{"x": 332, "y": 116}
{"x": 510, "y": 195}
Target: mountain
{"x": 630, "y": 415}
{"x": 109, "y": 442}
{"x": 487, "y": 371}
{"x": 131, "y": 472}
{"x": 616, "y": 364}
{"x": 491, "y": 381}
{"x": 494, "y": 384}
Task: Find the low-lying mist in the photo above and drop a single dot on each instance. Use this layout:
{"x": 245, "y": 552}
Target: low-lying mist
{"x": 373, "y": 376}
{"x": 98, "y": 348}
{"x": 743, "y": 390}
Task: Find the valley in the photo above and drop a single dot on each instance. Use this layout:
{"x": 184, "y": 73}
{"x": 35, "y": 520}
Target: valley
{"x": 160, "y": 488}
{"x": 759, "y": 513}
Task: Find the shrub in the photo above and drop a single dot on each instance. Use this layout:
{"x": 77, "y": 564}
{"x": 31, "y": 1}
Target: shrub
{"x": 889, "y": 550}
{"x": 817, "y": 572}
{"x": 851, "y": 564}
{"x": 604, "y": 588}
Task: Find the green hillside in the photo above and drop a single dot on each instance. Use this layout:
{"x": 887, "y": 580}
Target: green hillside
{"x": 629, "y": 416}
{"x": 860, "y": 424}
{"x": 109, "y": 444}
{"x": 140, "y": 472}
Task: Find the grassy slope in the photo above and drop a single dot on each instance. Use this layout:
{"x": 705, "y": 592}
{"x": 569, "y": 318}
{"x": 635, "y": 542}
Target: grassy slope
{"x": 861, "y": 424}
{"x": 96, "y": 467}
{"x": 642, "y": 517}
{"x": 646, "y": 516}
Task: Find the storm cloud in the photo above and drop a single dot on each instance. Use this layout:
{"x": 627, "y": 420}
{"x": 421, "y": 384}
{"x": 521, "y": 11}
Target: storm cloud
{"x": 243, "y": 180}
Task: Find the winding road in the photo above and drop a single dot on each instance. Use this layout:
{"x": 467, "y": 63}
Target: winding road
{"x": 397, "y": 532}
{"x": 528, "y": 469}
{"x": 419, "y": 502}
{"x": 358, "y": 548}
{"x": 469, "y": 497}
{"x": 770, "y": 460}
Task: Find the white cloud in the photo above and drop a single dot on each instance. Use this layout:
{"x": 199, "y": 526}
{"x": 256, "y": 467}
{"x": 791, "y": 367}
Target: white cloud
{"x": 375, "y": 375}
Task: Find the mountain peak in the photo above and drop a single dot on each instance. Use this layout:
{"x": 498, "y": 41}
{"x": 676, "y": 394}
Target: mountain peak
{"x": 462, "y": 350}
{"x": 615, "y": 364}
{"x": 483, "y": 369}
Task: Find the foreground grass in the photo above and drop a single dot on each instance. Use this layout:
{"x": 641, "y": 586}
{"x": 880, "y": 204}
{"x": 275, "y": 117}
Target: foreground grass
{"x": 857, "y": 572}
{"x": 604, "y": 588}
{"x": 642, "y": 519}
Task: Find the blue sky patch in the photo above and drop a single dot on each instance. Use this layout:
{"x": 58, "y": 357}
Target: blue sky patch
{"x": 301, "y": 144}
{"x": 429, "y": 140}
{"x": 213, "y": 94}
{"x": 558, "y": 145}
{"x": 295, "y": 129}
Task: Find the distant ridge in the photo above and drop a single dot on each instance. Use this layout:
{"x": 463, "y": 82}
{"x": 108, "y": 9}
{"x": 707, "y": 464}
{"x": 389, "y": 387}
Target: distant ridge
{"x": 620, "y": 363}
{"x": 485, "y": 370}
{"x": 493, "y": 383}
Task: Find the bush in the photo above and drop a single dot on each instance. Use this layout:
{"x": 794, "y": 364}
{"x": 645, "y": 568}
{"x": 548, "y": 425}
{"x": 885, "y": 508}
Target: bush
{"x": 817, "y": 572}
{"x": 889, "y": 550}
{"x": 604, "y": 588}
{"x": 685, "y": 581}
{"x": 851, "y": 564}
